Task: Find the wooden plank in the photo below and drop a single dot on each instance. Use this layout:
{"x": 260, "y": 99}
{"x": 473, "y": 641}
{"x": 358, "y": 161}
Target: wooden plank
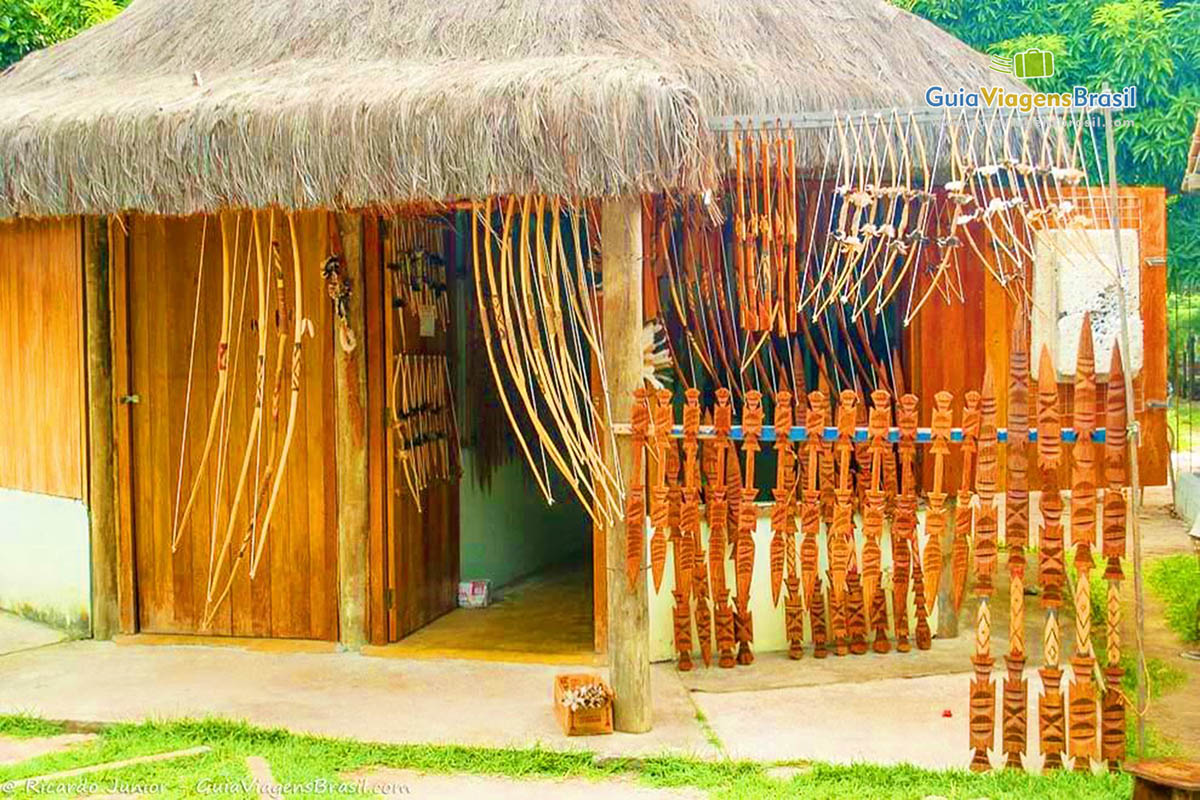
{"x": 102, "y": 484}
{"x": 628, "y": 608}
{"x": 118, "y": 287}
{"x": 350, "y": 426}
{"x": 375, "y": 308}
{"x": 42, "y": 446}
{"x": 1155, "y": 453}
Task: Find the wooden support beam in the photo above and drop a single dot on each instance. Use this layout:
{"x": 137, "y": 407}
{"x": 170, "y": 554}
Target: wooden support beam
{"x": 350, "y": 431}
{"x": 101, "y": 464}
{"x": 628, "y": 608}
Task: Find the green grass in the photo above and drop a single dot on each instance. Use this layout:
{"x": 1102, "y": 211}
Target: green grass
{"x": 299, "y": 759}
{"x": 1176, "y": 581}
{"x": 23, "y": 726}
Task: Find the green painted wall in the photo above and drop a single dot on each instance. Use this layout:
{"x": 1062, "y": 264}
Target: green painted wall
{"x": 510, "y": 532}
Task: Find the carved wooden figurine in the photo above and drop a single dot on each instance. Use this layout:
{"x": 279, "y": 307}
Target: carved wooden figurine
{"x": 635, "y": 500}
{"x": 873, "y": 509}
{"x": 983, "y": 688}
{"x": 962, "y": 513}
{"x": 718, "y": 519}
{"x": 1016, "y": 533}
{"x": 1082, "y": 726}
{"x": 904, "y": 528}
{"x": 815, "y": 421}
{"x": 1052, "y": 729}
{"x": 743, "y": 548}
{"x": 660, "y": 497}
{"x": 1112, "y": 717}
{"x": 690, "y": 570}
{"x": 783, "y": 523}
{"x": 935, "y": 517}
{"x": 841, "y": 532}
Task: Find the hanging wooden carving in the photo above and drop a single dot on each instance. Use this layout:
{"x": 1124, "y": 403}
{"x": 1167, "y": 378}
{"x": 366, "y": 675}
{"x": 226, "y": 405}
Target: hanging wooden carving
{"x": 691, "y": 559}
{"x": 962, "y": 514}
{"x": 1082, "y": 701}
{"x": 1052, "y": 730}
{"x": 841, "y": 533}
{"x": 660, "y": 498}
{"x": 635, "y": 499}
{"x": 873, "y": 510}
{"x": 815, "y": 421}
{"x": 935, "y": 518}
{"x": 718, "y": 520}
{"x": 783, "y": 522}
{"x": 983, "y": 689}
{"x": 1015, "y": 705}
{"x": 904, "y": 536}
{"x": 743, "y": 549}
{"x": 1112, "y": 744}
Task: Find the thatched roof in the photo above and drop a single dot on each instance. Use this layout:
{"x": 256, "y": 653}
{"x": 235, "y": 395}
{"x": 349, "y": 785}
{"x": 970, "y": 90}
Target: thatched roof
{"x": 1191, "y": 174}
{"x": 177, "y": 106}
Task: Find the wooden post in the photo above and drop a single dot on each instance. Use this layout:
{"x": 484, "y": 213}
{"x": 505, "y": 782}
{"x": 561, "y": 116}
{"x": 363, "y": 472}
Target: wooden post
{"x": 350, "y": 431}
{"x": 628, "y": 609}
{"x": 101, "y": 464}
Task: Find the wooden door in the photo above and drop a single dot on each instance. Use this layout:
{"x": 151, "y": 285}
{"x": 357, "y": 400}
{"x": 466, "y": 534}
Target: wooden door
{"x": 294, "y": 591}
{"x": 422, "y": 555}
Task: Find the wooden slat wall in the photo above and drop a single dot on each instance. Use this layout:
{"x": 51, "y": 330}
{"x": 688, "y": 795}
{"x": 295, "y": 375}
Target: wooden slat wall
{"x": 294, "y": 594}
{"x": 41, "y": 356}
{"x": 948, "y": 343}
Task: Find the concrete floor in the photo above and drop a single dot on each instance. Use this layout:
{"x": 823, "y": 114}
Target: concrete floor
{"x": 17, "y": 633}
{"x": 547, "y": 617}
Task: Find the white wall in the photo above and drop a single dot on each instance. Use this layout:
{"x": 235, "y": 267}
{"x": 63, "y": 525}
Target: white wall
{"x": 45, "y": 559}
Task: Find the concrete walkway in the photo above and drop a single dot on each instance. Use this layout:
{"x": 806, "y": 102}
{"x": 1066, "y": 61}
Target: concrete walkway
{"x": 18, "y": 633}
{"x": 482, "y": 703}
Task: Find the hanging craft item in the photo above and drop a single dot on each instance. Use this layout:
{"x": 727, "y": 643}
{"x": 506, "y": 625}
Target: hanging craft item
{"x": 962, "y": 514}
{"x": 635, "y": 497}
{"x": 904, "y": 530}
{"x": 783, "y": 522}
{"x": 718, "y": 520}
{"x": 339, "y": 287}
{"x": 815, "y": 420}
{"x": 520, "y": 288}
{"x": 660, "y": 494}
{"x": 1112, "y": 737}
{"x": 1081, "y": 725}
{"x": 1052, "y": 730}
{"x": 743, "y": 548}
{"x": 873, "y": 509}
{"x": 1016, "y": 533}
{"x": 418, "y": 270}
{"x": 425, "y": 431}
{"x": 841, "y": 532}
{"x": 935, "y": 517}
{"x": 690, "y": 558}
{"x": 983, "y": 689}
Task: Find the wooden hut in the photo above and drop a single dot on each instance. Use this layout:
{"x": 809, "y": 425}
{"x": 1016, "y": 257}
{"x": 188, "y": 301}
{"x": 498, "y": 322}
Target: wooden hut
{"x": 140, "y": 159}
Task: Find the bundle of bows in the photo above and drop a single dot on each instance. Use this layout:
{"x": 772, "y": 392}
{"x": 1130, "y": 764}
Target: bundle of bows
{"x": 424, "y": 422}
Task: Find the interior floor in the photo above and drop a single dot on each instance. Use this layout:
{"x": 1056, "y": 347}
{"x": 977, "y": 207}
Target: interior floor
{"x": 547, "y": 616}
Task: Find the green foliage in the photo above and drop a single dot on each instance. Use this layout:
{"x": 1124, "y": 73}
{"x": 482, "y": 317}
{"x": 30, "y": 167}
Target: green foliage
{"x": 23, "y": 726}
{"x": 27, "y": 25}
{"x": 1176, "y": 581}
{"x": 1151, "y": 44}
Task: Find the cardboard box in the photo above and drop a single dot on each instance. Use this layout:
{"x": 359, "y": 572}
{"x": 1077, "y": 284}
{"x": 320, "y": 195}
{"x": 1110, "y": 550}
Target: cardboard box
{"x": 474, "y": 594}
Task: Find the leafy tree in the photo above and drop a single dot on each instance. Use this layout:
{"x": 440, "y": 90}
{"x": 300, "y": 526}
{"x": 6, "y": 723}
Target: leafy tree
{"x": 27, "y": 25}
{"x": 1151, "y": 44}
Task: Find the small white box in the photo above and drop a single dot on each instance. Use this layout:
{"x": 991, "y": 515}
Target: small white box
{"x": 474, "y": 594}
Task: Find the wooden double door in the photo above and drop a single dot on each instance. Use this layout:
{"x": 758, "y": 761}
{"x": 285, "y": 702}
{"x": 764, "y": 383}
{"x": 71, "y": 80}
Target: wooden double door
{"x": 171, "y": 286}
